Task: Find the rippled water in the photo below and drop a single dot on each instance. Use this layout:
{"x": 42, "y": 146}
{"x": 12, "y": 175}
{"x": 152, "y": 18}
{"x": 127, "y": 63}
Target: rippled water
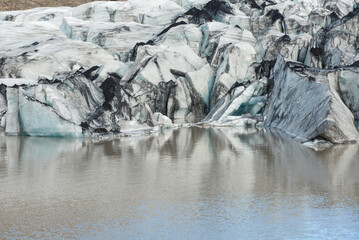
{"x": 189, "y": 183}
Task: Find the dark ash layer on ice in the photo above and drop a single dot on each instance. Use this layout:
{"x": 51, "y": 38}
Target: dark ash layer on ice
{"x": 123, "y": 67}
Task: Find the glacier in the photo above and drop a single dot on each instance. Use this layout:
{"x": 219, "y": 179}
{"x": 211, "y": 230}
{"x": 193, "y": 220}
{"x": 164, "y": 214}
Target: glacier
{"x": 116, "y": 67}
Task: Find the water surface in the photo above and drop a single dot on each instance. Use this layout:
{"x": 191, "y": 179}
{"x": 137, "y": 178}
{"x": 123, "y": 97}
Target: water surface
{"x": 190, "y": 183}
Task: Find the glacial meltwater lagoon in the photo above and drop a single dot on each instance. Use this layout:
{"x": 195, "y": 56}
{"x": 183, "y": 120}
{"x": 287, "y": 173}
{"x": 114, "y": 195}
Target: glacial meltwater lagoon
{"x": 189, "y": 183}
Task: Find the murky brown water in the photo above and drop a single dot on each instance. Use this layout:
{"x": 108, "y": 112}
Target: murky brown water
{"x": 188, "y": 183}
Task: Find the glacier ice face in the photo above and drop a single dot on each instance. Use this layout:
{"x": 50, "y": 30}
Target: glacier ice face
{"x": 185, "y": 103}
{"x": 74, "y": 99}
{"x": 35, "y": 119}
{"x": 349, "y": 91}
{"x": 115, "y": 66}
{"x": 72, "y": 103}
{"x": 335, "y": 45}
{"x": 306, "y": 104}
{"x": 26, "y": 116}
{"x": 7, "y": 92}
{"x": 240, "y": 101}
{"x": 202, "y": 81}
{"x": 49, "y": 95}
{"x": 156, "y": 72}
{"x": 234, "y": 67}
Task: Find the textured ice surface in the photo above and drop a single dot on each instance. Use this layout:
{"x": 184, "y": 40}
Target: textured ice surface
{"x": 184, "y": 34}
{"x": 52, "y": 15}
{"x": 112, "y": 66}
{"x": 40, "y": 50}
{"x": 349, "y": 91}
{"x": 202, "y": 81}
{"x": 26, "y": 116}
{"x": 306, "y": 104}
{"x": 10, "y": 82}
{"x": 36, "y": 119}
{"x": 240, "y": 101}
{"x": 154, "y": 63}
{"x": 117, "y": 38}
{"x": 159, "y": 12}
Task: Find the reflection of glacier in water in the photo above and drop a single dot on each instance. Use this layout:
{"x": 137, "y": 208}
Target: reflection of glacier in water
{"x": 188, "y": 183}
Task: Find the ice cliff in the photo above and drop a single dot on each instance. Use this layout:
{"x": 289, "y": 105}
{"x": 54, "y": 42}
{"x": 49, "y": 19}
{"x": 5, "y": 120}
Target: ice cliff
{"x": 111, "y": 67}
